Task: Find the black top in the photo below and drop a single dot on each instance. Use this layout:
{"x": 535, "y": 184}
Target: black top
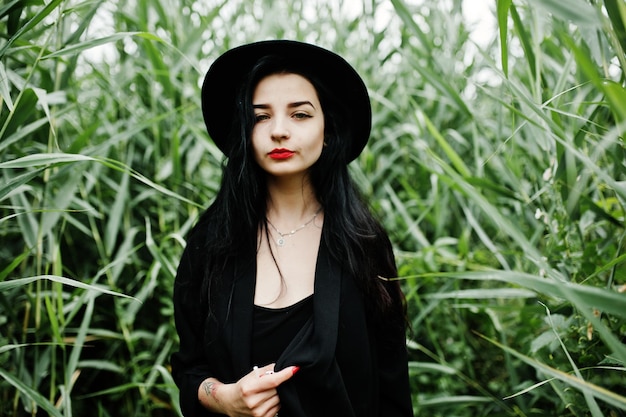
{"x": 275, "y": 328}
{"x": 353, "y": 363}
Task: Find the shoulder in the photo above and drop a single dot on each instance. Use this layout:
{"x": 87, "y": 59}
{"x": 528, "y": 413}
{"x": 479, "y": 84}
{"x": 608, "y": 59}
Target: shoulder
{"x": 193, "y": 257}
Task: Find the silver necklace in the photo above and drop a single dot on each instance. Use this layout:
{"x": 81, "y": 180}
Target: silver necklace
{"x": 281, "y": 240}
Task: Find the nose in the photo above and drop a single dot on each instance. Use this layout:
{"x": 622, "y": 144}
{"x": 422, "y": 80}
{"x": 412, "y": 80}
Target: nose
{"x": 279, "y": 129}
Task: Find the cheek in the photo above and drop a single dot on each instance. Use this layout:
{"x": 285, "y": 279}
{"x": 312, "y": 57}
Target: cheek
{"x": 256, "y": 150}
{"x": 254, "y": 141}
{"x": 321, "y": 138}
{"x": 317, "y": 147}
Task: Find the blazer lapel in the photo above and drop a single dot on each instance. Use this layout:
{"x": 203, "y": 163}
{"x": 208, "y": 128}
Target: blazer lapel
{"x": 326, "y": 303}
{"x": 240, "y": 311}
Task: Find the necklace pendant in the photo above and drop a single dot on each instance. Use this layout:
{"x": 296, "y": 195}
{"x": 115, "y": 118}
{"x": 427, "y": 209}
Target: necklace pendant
{"x": 281, "y": 240}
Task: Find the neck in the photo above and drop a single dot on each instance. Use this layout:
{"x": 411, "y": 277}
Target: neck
{"x": 290, "y": 201}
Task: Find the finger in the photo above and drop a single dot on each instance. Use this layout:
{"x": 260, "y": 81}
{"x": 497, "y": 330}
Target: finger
{"x": 252, "y": 383}
{"x": 269, "y": 379}
{"x": 269, "y": 407}
{"x": 284, "y": 374}
{"x": 272, "y": 403}
{"x": 273, "y": 412}
{"x": 262, "y": 401}
{"x": 266, "y": 370}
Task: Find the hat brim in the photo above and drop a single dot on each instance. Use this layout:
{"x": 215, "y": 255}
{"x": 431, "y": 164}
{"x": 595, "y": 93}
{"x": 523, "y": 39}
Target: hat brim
{"x": 225, "y": 76}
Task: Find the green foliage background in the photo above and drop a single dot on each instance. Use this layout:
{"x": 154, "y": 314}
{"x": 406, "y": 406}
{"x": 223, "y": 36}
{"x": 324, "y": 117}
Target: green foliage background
{"x": 498, "y": 170}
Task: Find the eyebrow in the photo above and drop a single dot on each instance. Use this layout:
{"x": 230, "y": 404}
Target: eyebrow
{"x": 290, "y": 105}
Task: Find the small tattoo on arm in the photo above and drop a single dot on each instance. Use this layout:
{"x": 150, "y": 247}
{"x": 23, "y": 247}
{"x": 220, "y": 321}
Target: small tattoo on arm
{"x": 209, "y": 388}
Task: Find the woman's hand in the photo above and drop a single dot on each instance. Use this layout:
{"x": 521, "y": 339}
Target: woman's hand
{"x": 253, "y": 395}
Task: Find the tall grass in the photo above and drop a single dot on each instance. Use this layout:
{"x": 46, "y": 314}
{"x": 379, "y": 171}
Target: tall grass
{"x": 498, "y": 171}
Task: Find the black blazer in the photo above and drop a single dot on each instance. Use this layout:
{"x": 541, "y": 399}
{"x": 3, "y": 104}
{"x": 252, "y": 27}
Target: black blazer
{"x": 351, "y": 365}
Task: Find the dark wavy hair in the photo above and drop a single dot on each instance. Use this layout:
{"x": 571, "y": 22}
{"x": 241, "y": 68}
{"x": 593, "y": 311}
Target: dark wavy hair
{"x": 353, "y": 236}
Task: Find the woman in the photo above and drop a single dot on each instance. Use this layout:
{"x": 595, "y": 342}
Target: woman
{"x": 283, "y": 299}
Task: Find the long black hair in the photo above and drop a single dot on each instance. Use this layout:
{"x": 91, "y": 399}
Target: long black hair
{"x": 352, "y": 234}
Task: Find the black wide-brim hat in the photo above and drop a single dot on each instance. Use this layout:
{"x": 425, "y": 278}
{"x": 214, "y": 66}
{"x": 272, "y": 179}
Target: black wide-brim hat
{"x": 225, "y": 77}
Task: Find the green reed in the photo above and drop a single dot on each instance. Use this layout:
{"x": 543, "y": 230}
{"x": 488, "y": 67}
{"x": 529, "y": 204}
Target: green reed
{"x": 497, "y": 169}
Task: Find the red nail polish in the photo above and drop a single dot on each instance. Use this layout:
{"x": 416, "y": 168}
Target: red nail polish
{"x": 295, "y": 369}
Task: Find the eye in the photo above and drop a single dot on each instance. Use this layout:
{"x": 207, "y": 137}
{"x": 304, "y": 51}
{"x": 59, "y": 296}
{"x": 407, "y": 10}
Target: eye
{"x": 260, "y": 117}
{"x": 301, "y": 115}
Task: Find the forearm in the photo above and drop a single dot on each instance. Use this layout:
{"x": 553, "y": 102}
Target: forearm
{"x": 211, "y": 395}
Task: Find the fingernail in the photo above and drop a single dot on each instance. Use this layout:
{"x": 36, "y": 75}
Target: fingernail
{"x": 294, "y": 370}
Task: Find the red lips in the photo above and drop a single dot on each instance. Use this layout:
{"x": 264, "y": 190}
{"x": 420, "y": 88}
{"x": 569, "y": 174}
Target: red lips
{"x": 281, "y": 153}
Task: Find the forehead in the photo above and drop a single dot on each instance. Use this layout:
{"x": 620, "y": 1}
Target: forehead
{"x": 286, "y": 86}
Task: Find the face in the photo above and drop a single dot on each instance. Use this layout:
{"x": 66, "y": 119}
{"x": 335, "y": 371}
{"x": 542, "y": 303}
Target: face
{"x": 288, "y": 134}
